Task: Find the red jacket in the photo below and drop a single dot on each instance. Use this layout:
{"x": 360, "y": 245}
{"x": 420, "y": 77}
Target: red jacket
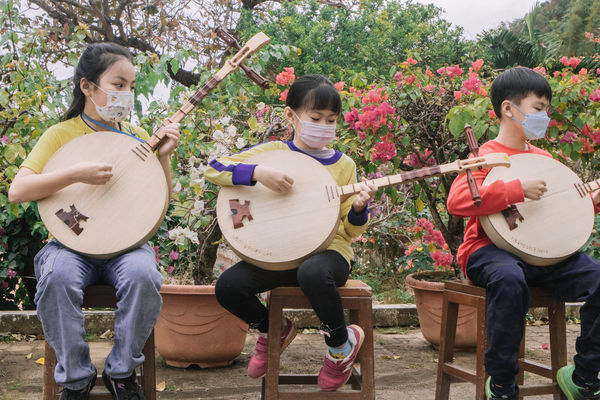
{"x": 494, "y": 198}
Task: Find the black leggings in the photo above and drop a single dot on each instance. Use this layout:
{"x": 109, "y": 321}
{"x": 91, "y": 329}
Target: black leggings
{"x": 318, "y": 277}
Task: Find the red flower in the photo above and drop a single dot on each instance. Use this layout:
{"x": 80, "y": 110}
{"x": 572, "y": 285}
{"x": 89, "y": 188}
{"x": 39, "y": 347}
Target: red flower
{"x": 491, "y": 114}
{"x": 477, "y": 64}
{"x": 454, "y": 71}
{"x": 410, "y": 61}
{"x": 552, "y": 123}
{"x": 568, "y": 137}
{"x": 457, "y": 95}
{"x": 339, "y": 86}
{"x": 285, "y": 77}
{"x": 283, "y": 96}
{"x": 410, "y": 79}
{"x": 383, "y": 151}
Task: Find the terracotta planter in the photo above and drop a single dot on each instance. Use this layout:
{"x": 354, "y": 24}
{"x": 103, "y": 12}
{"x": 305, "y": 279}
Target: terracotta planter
{"x": 194, "y": 329}
{"x": 428, "y": 299}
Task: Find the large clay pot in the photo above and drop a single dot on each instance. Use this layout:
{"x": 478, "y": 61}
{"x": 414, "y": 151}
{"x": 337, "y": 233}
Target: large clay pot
{"x": 428, "y": 298}
{"x": 194, "y": 329}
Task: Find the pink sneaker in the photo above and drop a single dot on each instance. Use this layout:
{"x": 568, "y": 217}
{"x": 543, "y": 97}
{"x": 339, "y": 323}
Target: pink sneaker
{"x": 335, "y": 373}
{"x": 257, "y": 367}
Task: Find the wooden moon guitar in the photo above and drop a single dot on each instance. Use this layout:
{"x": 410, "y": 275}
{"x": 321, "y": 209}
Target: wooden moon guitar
{"x": 278, "y": 231}
{"x": 103, "y": 221}
{"x": 546, "y": 231}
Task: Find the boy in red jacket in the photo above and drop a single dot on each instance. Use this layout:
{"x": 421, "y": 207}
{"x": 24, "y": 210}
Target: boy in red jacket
{"x": 521, "y": 97}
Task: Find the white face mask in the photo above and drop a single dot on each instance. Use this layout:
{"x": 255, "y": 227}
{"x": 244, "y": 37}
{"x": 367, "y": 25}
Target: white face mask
{"x": 535, "y": 124}
{"x": 315, "y": 135}
{"x": 118, "y": 105}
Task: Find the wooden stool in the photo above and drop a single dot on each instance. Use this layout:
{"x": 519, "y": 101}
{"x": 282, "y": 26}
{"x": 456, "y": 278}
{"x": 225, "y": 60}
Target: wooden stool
{"x": 456, "y": 293}
{"x": 356, "y": 297}
{"x": 103, "y": 296}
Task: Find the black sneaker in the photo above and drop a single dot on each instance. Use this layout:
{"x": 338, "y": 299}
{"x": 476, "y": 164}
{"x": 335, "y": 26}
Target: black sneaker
{"x": 124, "y": 389}
{"x": 81, "y": 394}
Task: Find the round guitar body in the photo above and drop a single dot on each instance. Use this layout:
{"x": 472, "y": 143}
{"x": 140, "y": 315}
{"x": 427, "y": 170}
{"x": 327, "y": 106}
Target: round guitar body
{"x": 278, "y": 231}
{"x": 103, "y": 221}
{"x": 553, "y": 227}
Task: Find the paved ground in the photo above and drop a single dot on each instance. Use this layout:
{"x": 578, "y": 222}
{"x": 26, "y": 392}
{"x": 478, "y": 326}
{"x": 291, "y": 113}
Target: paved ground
{"x": 405, "y": 367}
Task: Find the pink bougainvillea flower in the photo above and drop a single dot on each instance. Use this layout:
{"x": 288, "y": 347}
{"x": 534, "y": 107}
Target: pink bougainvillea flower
{"x": 286, "y": 76}
{"x": 540, "y": 70}
{"x": 552, "y": 123}
{"x": 398, "y": 76}
{"x": 383, "y": 151}
{"x": 443, "y": 69}
{"x": 174, "y": 255}
{"x": 410, "y": 61}
{"x": 595, "y": 96}
{"x": 491, "y": 114}
{"x": 4, "y": 139}
{"x": 283, "y": 96}
{"x": 454, "y": 71}
{"x": 457, "y": 95}
{"x": 583, "y": 71}
{"x": 410, "y": 79}
{"x": 170, "y": 269}
{"x": 545, "y": 346}
{"x": 574, "y": 61}
{"x": 11, "y": 273}
{"x": 428, "y": 72}
{"x": 339, "y": 86}
{"x": 574, "y": 79}
{"x": 565, "y": 61}
{"x": 568, "y": 137}
{"x": 477, "y": 64}
{"x": 429, "y": 88}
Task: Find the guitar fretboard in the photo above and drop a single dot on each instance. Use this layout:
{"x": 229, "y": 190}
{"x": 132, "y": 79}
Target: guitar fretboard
{"x": 392, "y": 180}
{"x": 186, "y": 108}
{"x": 588, "y": 187}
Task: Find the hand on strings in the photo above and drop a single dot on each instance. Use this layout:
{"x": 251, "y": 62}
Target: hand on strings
{"x": 366, "y": 194}
{"x": 93, "y": 173}
{"x": 171, "y": 138}
{"x": 274, "y": 179}
{"x": 533, "y": 188}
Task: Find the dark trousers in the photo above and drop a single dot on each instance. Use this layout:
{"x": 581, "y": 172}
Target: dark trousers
{"x": 506, "y": 278}
{"x": 319, "y": 277}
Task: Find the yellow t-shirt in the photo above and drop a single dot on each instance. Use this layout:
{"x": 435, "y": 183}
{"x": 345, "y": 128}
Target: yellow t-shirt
{"x": 58, "y": 135}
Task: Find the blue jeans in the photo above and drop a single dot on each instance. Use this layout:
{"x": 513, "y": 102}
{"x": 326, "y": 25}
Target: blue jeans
{"x": 506, "y": 279}
{"x": 63, "y": 275}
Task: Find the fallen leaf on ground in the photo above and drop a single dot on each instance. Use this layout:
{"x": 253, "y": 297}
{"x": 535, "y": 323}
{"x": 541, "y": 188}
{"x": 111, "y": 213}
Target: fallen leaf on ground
{"x": 160, "y": 387}
{"x": 40, "y": 361}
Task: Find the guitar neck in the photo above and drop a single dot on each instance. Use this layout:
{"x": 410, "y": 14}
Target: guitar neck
{"x": 232, "y": 64}
{"x": 457, "y": 166}
{"x": 189, "y": 105}
{"x": 587, "y": 188}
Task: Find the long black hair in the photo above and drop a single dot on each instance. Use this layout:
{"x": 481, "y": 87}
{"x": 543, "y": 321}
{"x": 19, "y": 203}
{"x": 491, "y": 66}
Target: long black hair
{"x": 96, "y": 59}
{"x": 314, "y": 92}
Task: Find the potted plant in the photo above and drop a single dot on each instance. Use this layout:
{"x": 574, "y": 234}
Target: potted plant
{"x": 428, "y": 264}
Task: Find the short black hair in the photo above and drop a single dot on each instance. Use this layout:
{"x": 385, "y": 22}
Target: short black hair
{"x": 517, "y": 83}
{"x": 314, "y": 92}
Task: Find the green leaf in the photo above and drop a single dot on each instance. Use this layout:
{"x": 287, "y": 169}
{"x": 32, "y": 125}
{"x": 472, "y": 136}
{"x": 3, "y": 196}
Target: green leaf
{"x": 253, "y": 123}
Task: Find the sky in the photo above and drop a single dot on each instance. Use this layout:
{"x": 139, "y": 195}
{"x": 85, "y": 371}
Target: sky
{"x": 476, "y": 16}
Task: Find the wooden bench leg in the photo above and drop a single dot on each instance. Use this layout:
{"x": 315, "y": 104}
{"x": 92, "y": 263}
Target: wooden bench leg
{"x": 446, "y": 351}
{"x": 271, "y": 379}
{"x": 148, "y": 369}
{"x": 482, "y": 344}
{"x": 367, "y": 361}
{"x": 558, "y": 341}
{"x": 50, "y": 386}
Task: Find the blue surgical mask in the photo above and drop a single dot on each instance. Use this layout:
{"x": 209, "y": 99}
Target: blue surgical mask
{"x": 534, "y": 124}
